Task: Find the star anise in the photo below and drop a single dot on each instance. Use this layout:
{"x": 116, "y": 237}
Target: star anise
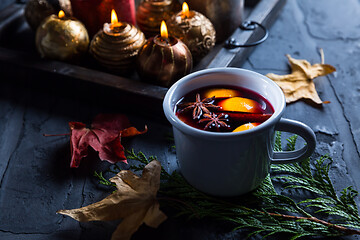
{"x": 199, "y": 106}
{"x": 214, "y": 120}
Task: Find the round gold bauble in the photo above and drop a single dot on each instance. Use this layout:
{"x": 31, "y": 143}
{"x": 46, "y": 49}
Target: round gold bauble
{"x": 150, "y": 13}
{"x": 196, "y": 31}
{"x": 36, "y": 11}
{"x": 61, "y": 38}
{"x": 163, "y": 61}
{"x": 117, "y": 50}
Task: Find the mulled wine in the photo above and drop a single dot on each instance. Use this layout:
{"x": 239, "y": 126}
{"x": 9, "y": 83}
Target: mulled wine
{"x": 223, "y": 109}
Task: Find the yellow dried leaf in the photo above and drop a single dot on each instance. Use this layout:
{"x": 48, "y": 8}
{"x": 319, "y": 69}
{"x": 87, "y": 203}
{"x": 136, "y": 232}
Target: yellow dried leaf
{"x": 299, "y": 84}
{"x": 134, "y": 202}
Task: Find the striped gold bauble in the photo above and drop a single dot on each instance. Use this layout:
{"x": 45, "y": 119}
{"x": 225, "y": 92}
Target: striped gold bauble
{"x": 117, "y": 50}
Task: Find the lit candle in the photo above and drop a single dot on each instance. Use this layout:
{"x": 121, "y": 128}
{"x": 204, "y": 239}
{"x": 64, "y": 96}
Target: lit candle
{"x": 115, "y": 27}
{"x": 61, "y": 14}
{"x": 94, "y": 13}
{"x": 164, "y": 59}
{"x": 185, "y": 13}
{"x": 163, "y": 31}
{"x": 117, "y": 45}
{"x": 62, "y": 38}
{"x": 194, "y": 29}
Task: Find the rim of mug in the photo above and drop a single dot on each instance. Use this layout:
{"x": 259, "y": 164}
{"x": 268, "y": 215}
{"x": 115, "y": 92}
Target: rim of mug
{"x": 183, "y": 127}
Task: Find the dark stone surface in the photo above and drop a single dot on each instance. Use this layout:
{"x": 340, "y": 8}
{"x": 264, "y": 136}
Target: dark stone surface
{"x": 303, "y": 28}
{"x": 35, "y": 178}
{"x": 5, "y": 3}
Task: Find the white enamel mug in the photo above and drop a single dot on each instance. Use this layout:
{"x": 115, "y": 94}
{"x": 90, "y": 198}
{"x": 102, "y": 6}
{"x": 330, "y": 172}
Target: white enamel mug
{"x": 231, "y": 164}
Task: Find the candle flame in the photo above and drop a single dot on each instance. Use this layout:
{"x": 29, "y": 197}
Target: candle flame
{"x": 185, "y": 10}
{"x": 114, "y": 19}
{"x": 163, "y": 30}
{"x": 61, "y": 14}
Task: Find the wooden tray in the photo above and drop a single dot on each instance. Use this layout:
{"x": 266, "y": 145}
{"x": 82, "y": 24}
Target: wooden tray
{"x": 17, "y": 49}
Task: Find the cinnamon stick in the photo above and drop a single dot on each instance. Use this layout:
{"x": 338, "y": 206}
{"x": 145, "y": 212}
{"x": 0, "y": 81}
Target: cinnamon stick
{"x": 248, "y": 117}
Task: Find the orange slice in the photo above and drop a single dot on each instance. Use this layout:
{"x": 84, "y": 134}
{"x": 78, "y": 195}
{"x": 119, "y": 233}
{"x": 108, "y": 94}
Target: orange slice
{"x": 220, "y": 93}
{"x": 239, "y": 104}
{"x": 246, "y": 126}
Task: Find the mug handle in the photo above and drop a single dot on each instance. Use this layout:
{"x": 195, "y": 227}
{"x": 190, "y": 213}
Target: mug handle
{"x": 304, "y": 131}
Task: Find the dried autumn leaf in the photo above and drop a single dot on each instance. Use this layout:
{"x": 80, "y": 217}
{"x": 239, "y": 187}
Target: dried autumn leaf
{"x": 134, "y": 202}
{"x": 104, "y": 136}
{"x": 299, "y": 84}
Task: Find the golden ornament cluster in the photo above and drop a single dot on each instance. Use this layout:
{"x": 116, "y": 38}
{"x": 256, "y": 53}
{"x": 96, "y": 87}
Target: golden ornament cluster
{"x": 117, "y": 47}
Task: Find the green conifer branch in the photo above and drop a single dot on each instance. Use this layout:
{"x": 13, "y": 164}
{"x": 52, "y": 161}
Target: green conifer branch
{"x": 264, "y": 211}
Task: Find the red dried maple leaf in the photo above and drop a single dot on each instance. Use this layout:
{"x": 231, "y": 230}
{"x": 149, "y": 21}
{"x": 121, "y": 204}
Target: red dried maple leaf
{"x": 104, "y": 136}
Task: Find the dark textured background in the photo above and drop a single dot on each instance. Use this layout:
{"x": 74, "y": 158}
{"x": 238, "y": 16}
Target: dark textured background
{"x": 35, "y": 179}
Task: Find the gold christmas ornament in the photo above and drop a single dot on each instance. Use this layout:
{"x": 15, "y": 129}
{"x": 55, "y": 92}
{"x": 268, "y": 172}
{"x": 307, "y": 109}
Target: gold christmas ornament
{"x": 61, "y": 38}
{"x": 37, "y": 10}
{"x": 164, "y": 59}
{"x": 195, "y": 30}
{"x": 150, "y": 13}
{"x": 117, "y": 45}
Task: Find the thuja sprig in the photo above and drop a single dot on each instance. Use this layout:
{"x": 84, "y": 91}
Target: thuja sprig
{"x": 341, "y": 209}
{"x": 103, "y": 180}
{"x": 143, "y": 160}
{"x": 264, "y": 211}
